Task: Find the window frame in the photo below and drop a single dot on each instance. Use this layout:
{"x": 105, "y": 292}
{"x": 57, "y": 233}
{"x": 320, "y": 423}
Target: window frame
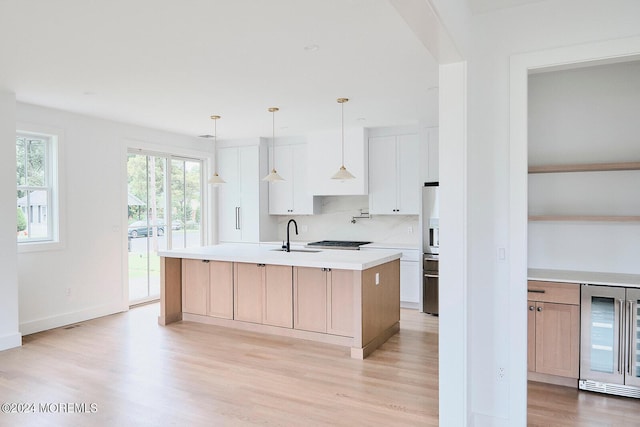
{"x": 52, "y": 138}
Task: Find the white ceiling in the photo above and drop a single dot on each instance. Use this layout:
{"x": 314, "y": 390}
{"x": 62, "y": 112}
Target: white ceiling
{"x": 171, "y": 64}
{"x": 483, "y": 6}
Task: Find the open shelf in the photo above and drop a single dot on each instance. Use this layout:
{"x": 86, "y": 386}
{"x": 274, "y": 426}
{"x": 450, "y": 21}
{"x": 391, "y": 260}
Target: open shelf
{"x": 586, "y": 167}
{"x": 585, "y": 218}
{"x": 576, "y": 198}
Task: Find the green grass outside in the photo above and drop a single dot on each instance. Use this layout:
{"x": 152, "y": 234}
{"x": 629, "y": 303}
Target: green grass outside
{"x": 138, "y": 265}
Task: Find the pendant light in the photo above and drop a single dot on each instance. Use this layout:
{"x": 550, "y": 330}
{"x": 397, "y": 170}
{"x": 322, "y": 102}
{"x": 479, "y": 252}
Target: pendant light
{"x": 273, "y": 175}
{"x": 342, "y": 173}
{"x": 215, "y": 179}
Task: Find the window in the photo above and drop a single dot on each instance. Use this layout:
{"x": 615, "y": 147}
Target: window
{"x": 36, "y": 188}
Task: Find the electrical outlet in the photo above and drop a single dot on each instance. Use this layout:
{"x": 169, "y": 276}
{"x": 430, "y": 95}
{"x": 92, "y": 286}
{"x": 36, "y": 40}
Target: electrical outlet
{"x": 410, "y": 230}
{"x": 501, "y": 374}
{"x": 67, "y": 292}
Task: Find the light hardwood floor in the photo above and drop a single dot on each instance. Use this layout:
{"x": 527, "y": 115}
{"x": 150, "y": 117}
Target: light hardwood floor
{"x": 189, "y": 374}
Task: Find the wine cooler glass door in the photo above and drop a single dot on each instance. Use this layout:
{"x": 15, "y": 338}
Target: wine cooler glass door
{"x": 603, "y": 342}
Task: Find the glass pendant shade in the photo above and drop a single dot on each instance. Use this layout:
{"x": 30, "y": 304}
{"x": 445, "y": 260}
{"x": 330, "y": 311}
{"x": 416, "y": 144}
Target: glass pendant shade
{"x": 273, "y": 175}
{"x": 343, "y": 173}
{"x": 215, "y": 179}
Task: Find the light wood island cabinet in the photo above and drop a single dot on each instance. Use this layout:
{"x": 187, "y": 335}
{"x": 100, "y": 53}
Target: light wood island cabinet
{"x": 323, "y": 300}
{"x": 553, "y": 333}
{"x": 263, "y": 294}
{"x": 357, "y": 306}
{"x": 207, "y": 288}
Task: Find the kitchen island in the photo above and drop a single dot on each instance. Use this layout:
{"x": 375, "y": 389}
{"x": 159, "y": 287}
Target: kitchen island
{"x": 349, "y": 298}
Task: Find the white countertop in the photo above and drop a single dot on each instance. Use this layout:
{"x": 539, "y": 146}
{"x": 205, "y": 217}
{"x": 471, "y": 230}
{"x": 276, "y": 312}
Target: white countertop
{"x": 586, "y": 277}
{"x": 263, "y": 254}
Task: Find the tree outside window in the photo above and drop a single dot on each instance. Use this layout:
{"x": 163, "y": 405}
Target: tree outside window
{"x": 34, "y": 188}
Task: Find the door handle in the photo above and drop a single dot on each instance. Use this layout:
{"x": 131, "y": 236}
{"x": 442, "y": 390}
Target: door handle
{"x": 539, "y": 309}
{"x": 237, "y": 217}
{"x": 620, "y": 336}
{"x": 630, "y": 333}
{"x": 531, "y": 308}
{"x": 536, "y": 291}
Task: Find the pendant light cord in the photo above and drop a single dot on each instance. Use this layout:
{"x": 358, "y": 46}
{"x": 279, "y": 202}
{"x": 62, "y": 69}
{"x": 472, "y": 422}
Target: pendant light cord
{"x": 273, "y": 139}
{"x": 215, "y": 143}
{"x": 342, "y": 133}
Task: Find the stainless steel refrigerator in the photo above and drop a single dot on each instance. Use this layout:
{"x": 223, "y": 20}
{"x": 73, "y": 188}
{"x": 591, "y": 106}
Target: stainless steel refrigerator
{"x": 431, "y": 247}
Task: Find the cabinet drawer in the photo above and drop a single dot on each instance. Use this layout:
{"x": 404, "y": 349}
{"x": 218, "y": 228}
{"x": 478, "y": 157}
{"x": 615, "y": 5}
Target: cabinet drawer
{"x": 562, "y": 293}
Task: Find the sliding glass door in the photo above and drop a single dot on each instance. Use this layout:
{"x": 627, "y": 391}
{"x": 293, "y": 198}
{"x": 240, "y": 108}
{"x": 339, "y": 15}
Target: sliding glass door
{"x": 186, "y": 203}
{"x": 164, "y": 211}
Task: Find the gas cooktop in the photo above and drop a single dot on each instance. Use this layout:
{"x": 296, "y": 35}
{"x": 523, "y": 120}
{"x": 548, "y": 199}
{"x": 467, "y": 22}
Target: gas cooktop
{"x": 337, "y": 244}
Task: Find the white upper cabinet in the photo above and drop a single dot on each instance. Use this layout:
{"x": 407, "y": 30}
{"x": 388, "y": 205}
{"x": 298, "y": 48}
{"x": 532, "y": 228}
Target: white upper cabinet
{"x": 325, "y": 158}
{"x": 242, "y": 200}
{"x": 394, "y": 178}
{"x": 291, "y": 196}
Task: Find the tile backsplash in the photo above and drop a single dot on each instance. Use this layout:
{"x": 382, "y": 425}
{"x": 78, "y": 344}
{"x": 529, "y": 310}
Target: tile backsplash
{"x": 334, "y": 222}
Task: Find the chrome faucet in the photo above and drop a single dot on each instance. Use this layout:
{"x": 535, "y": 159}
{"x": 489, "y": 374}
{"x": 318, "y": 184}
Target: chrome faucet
{"x": 296, "y": 226}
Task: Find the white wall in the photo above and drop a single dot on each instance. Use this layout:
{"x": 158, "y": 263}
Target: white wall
{"x": 92, "y": 259}
{"x": 585, "y": 115}
{"x": 9, "y": 335}
{"x": 496, "y": 325}
{"x": 496, "y": 333}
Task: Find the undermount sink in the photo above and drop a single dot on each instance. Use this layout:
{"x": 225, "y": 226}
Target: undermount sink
{"x": 296, "y": 250}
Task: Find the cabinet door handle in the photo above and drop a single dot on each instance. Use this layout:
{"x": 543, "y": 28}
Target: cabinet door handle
{"x": 536, "y": 291}
{"x": 539, "y": 308}
{"x": 205, "y": 260}
{"x": 261, "y": 265}
{"x": 531, "y": 308}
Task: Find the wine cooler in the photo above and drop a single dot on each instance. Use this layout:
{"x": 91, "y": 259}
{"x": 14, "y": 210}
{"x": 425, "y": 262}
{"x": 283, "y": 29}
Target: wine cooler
{"x": 610, "y": 344}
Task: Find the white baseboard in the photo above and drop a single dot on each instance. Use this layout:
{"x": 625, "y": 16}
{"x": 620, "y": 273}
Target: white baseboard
{"x": 51, "y": 322}
{"x": 10, "y": 341}
{"x": 411, "y": 305}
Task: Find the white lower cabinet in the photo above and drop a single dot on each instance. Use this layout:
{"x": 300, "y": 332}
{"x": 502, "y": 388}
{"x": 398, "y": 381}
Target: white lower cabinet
{"x": 409, "y": 274}
{"x": 409, "y": 281}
